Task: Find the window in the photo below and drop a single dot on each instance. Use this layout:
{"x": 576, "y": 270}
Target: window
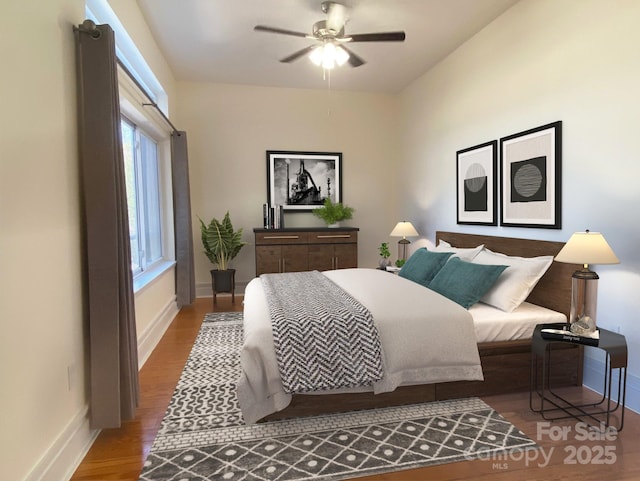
{"x": 143, "y": 196}
{"x": 146, "y": 144}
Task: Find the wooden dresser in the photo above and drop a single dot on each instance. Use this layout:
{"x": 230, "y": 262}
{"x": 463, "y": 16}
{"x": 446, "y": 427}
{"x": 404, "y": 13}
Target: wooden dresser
{"x": 305, "y": 249}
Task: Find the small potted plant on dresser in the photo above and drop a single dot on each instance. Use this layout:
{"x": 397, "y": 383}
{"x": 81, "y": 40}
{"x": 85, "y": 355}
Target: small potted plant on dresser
{"x": 221, "y": 244}
{"x": 332, "y": 213}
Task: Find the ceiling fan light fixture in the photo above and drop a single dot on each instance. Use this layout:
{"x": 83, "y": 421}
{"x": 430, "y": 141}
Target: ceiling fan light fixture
{"x": 341, "y": 56}
{"x": 328, "y": 55}
{"x": 316, "y": 55}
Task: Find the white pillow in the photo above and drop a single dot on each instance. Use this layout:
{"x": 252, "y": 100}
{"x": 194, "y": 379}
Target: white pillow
{"x": 516, "y": 282}
{"x": 465, "y": 254}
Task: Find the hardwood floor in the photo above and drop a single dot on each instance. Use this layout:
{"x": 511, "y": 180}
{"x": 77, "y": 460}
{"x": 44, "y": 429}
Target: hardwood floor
{"x": 118, "y": 454}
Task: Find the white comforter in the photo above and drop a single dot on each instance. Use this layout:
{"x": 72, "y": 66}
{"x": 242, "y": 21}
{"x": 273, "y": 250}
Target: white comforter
{"x": 425, "y": 338}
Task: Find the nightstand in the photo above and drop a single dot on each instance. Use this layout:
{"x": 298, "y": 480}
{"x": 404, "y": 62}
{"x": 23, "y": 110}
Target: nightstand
{"x": 552, "y": 406}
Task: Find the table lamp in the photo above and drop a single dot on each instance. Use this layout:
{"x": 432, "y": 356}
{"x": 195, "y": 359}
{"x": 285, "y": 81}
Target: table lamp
{"x": 585, "y": 248}
{"x": 403, "y": 229}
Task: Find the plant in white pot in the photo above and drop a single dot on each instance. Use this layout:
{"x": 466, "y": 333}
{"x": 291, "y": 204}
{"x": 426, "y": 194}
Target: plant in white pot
{"x": 332, "y": 213}
{"x": 221, "y": 244}
{"x": 385, "y": 253}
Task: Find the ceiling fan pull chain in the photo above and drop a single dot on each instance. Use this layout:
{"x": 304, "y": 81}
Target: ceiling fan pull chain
{"x": 328, "y": 73}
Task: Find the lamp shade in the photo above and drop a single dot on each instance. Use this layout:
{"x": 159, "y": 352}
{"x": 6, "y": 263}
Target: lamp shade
{"x": 404, "y": 229}
{"x": 587, "y": 248}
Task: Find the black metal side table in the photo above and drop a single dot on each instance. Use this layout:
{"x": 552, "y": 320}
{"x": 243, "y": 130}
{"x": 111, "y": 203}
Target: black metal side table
{"x": 615, "y": 347}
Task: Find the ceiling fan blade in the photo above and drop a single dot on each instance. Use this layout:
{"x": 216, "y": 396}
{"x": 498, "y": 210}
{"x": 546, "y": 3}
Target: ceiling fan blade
{"x": 264, "y": 28}
{"x": 378, "y": 37}
{"x": 354, "y": 60}
{"x": 298, "y": 54}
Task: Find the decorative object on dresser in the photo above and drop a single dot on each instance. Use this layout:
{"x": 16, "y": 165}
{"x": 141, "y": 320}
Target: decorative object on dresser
{"x": 273, "y": 217}
{"x": 531, "y": 177}
{"x": 221, "y": 245}
{"x": 476, "y": 187}
{"x": 301, "y": 181}
{"x": 585, "y": 248}
{"x": 333, "y": 213}
{"x": 404, "y": 229}
{"x": 305, "y": 249}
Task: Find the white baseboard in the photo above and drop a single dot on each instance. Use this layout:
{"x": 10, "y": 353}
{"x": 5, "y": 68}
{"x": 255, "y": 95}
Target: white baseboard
{"x": 60, "y": 461}
{"x": 593, "y": 378}
{"x": 149, "y": 339}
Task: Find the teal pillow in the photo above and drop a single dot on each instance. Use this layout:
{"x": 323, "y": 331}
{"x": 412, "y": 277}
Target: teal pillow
{"x": 423, "y": 265}
{"x": 464, "y": 282}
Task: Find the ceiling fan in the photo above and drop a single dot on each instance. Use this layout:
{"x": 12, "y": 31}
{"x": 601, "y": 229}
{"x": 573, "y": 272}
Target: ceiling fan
{"x": 329, "y": 48}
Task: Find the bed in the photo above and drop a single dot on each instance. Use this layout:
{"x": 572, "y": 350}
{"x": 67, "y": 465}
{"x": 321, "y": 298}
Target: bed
{"x": 503, "y": 353}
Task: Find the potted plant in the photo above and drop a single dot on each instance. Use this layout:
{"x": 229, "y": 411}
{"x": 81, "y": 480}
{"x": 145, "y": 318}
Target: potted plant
{"x": 332, "y": 213}
{"x": 384, "y": 255}
{"x": 221, "y": 244}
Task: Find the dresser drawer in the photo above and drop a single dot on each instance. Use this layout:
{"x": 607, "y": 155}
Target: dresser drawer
{"x": 279, "y": 238}
{"x": 333, "y": 238}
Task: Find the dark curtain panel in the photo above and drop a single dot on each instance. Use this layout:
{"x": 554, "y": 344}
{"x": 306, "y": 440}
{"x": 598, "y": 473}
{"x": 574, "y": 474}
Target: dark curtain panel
{"x": 185, "y": 278}
{"x": 112, "y": 326}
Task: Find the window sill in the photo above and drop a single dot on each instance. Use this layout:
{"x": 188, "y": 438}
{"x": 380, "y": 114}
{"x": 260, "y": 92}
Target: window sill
{"x": 147, "y": 277}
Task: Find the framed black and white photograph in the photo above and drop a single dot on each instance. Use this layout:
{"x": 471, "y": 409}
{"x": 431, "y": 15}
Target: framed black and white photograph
{"x": 301, "y": 181}
{"x": 530, "y": 178}
{"x": 476, "y": 187}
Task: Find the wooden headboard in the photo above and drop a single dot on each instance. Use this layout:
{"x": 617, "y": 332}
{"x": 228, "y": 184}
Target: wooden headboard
{"x": 553, "y": 290}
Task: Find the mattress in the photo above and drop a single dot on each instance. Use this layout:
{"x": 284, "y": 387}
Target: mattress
{"x": 425, "y": 338}
{"x": 493, "y": 325}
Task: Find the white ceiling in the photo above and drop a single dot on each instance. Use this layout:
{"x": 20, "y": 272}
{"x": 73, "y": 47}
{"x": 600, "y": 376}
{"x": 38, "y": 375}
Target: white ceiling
{"x": 214, "y": 40}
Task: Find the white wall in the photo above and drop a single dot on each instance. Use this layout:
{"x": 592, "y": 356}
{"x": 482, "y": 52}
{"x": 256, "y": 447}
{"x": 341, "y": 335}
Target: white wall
{"x": 542, "y": 61}
{"x": 41, "y": 320}
{"x": 43, "y": 425}
{"x": 230, "y": 129}
{"x": 131, "y": 17}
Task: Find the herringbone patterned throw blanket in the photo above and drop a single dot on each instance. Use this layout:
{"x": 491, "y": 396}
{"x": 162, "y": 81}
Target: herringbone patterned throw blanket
{"x": 324, "y": 338}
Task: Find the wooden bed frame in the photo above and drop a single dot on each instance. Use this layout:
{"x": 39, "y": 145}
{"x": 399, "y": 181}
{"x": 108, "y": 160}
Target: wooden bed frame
{"x": 506, "y": 365}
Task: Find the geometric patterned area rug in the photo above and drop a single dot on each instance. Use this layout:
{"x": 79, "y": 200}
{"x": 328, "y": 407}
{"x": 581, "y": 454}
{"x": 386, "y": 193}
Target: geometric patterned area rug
{"x": 203, "y": 436}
